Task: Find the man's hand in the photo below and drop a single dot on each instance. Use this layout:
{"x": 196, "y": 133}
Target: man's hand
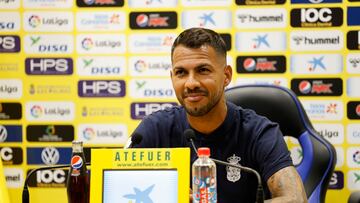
{"x": 286, "y": 186}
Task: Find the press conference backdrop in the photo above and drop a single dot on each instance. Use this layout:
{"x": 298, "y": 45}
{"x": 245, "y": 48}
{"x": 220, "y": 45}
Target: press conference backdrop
{"x": 92, "y": 69}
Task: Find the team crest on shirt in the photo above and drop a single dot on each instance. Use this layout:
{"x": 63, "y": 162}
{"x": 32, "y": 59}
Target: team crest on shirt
{"x": 232, "y": 173}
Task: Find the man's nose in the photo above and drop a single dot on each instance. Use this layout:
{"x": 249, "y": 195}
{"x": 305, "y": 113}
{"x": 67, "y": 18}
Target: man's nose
{"x": 192, "y": 82}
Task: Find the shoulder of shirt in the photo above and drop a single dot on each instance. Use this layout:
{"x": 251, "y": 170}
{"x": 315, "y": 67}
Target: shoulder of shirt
{"x": 248, "y": 115}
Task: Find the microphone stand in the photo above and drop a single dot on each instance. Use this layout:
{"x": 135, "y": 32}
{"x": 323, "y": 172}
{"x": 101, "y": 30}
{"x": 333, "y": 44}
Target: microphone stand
{"x": 25, "y": 194}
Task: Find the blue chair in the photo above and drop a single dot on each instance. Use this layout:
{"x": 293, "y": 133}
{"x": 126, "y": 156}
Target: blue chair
{"x": 282, "y": 106}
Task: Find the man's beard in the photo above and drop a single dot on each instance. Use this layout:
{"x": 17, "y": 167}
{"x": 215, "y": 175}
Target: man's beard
{"x": 202, "y": 110}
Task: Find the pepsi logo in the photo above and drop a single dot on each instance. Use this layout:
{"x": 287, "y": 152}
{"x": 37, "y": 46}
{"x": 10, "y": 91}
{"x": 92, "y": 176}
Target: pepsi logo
{"x": 305, "y": 87}
{"x": 142, "y": 20}
{"x": 357, "y": 109}
{"x": 249, "y": 64}
{"x": 76, "y": 162}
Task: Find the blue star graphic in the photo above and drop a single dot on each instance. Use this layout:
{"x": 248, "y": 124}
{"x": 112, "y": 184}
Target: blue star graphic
{"x": 207, "y": 18}
{"x": 317, "y": 62}
{"x": 261, "y": 40}
{"x": 140, "y": 196}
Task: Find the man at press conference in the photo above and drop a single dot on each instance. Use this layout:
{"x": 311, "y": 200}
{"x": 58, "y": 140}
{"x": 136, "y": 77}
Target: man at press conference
{"x": 199, "y": 76}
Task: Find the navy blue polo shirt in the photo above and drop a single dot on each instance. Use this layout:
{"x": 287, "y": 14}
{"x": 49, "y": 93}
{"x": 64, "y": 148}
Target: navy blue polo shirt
{"x": 243, "y": 138}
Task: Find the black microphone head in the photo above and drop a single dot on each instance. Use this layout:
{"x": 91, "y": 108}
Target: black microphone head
{"x": 136, "y": 138}
{"x": 189, "y": 134}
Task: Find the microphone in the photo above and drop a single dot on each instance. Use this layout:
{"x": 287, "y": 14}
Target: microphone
{"x": 25, "y": 194}
{"x": 135, "y": 139}
{"x": 190, "y": 135}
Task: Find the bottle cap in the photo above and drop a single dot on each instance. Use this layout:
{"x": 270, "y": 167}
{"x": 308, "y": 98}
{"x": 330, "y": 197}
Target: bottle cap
{"x": 204, "y": 151}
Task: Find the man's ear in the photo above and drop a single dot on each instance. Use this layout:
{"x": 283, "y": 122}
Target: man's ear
{"x": 228, "y": 75}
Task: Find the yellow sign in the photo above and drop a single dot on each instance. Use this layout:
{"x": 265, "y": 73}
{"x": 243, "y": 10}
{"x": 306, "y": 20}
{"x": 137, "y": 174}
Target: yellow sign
{"x": 135, "y": 171}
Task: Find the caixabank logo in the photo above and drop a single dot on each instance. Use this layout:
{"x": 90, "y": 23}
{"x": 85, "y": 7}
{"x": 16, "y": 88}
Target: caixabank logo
{"x": 101, "y": 88}
{"x": 11, "y": 155}
{"x": 153, "y": 20}
{"x": 259, "y": 2}
{"x": 317, "y": 86}
{"x": 49, "y": 66}
{"x": 353, "y": 110}
{"x": 49, "y": 133}
{"x": 353, "y": 40}
{"x": 9, "y": 44}
{"x": 100, "y": 3}
{"x": 10, "y": 111}
{"x": 48, "y": 178}
{"x": 261, "y": 64}
{"x": 316, "y": 17}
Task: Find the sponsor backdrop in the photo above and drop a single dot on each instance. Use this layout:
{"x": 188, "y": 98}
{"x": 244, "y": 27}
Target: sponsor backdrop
{"x": 92, "y": 69}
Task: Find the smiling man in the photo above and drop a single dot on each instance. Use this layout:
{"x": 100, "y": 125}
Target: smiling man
{"x": 199, "y": 76}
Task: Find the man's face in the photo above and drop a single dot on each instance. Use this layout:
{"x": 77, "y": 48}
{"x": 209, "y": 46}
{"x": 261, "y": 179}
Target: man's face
{"x": 199, "y": 77}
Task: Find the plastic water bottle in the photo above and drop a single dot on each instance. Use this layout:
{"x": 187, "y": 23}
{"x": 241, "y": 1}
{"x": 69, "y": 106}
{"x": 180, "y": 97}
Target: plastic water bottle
{"x": 204, "y": 178}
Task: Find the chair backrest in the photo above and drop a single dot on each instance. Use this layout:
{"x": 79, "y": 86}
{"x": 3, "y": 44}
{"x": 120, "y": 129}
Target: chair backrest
{"x": 281, "y": 105}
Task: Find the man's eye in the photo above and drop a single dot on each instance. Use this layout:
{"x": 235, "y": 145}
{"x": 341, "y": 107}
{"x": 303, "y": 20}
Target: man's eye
{"x": 179, "y": 72}
{"x": 203, "y": 70}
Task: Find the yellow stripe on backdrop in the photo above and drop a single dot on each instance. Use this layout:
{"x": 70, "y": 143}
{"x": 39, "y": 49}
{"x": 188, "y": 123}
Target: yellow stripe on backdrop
{"x": 4, "y": 195}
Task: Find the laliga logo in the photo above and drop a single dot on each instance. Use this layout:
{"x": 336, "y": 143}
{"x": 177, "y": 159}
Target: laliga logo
{"x": 3, "y": 133}
{"x": 356, "y": 157}
{"x": 76, "y": 162}
{"x": 249, "y": 64}
{"x": 142, "y": 20}
{"x": 36, "y": 111}
{"x": 87, "y": 43}
{"x": 34, "y": 21}
{"x": 305, "y": 87}
{"x": 140, "y": 66}
{"x": 357, "y": 110}
{"x": 88, "y": 133}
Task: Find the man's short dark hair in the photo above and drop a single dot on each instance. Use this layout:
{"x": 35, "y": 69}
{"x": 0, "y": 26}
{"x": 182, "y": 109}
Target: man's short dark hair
{"x": 197, "y": 37}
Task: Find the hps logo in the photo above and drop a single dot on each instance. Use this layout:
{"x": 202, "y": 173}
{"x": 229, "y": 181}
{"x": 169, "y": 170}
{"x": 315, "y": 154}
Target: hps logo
{"x": 48, "y": 66}
{"x": 141, "y": 109}
{"x": 9, "y": 43}
{"x": 101, "y": 88}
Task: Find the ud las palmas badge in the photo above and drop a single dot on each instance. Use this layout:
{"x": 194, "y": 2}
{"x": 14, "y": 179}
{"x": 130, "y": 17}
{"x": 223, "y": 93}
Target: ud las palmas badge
{"x": 232, "y": 173}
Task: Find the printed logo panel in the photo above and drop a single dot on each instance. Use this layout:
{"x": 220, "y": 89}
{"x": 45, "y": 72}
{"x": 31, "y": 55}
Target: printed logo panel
{"x": 152, "y": 4}
{"x": 100, "y": 21}
{"x": 49, "y": 133}
{"x": 11, "y": 155}
{"x": 353, "y": 133}
{"x": 49, "y": 44}
{"x": 152, "y": 88}
{"x": 352, "y": 87}
{"x": 52, "y": 178}
{"x": 337, "y": 181}
{"x": 259, "y": 3}
{"x": 10, "y": 111}
{"x": 14, "y": 177}
{"x": 323, "y": 110}
{"x": 261, "y": 64}
{"x": 353, "y": 110}
{"x": 11, "y": 88}
{"x": 280, "y": 81}
{"x": 353, "y": 180}
{"x": 353, "y": 63}
{"x": 260, "y": 41}
{"x": 212, "y": 19}
{"x": 100, "y": 3}
{"x": 10, "y": 133}
{"x": 150, "y": 65}
{"x": 103, "y": 133}
{"x": 153, "y": 20}
{"x": 101, "y": 88}
{"x": 107, "y": 112}
{"x": 50, "y": 111}
{"x": 316, "y": 63}
{"x": 101, "y": 66}
{"x": 317, "y": 86}
{"x": 315, "y": 1}
{"x": 353, "y": 157}
{"x": 47, "y": 4}
{"x": 201, "y": 3}
{"x": 100, "y": 43}
{"x": 353, "y": 16}
{"x": 9, "y": 44}
{"x": 54, "y": 89}
{"x": 9, "y": 4}
{"x": 316, "y": 17}
{"x": 151, "y": 43}
{"x": 333, "y": 132}
{"x": 141, "y": 109}
{"x": 9, "y": 21}
{"x": 330, "y": 40}
{"x": 42, "y": 21}
{"x": 353, "y": 40}
{"x": 49, "y": 66}
{"x": 260, "y": 18}
{"x": 340, "y": 157}
{"x": 48, "y": 155}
